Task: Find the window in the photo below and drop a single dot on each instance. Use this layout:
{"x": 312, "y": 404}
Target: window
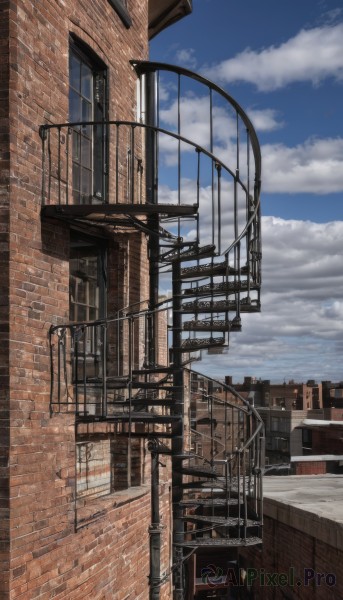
{"x": 87, "y": 302}
{"x": 93, "y": 468}
{"x": 86, "y": 279}
{"x": 307, "y": 441}
{"x": 88, "y": 103}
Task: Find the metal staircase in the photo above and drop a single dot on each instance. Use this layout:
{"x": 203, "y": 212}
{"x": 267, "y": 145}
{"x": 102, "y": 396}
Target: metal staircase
{"x": 201, "y": 213}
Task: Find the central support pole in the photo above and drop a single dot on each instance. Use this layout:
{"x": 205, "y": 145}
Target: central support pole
{"x": 153, "y": 250}
{"x": 178, "y": 436}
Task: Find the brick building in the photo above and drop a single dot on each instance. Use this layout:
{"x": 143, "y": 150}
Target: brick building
{"x": 94, "y": 379}
{"x": 290, "y": 396}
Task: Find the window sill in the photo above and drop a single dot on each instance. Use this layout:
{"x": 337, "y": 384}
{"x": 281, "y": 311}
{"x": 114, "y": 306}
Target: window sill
{"x": 96, "y": 508}
{"x": 122, "y": 12}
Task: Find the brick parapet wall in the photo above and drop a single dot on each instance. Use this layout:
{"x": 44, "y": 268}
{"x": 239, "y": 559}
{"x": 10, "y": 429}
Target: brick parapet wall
{"x": 302, "y": 546}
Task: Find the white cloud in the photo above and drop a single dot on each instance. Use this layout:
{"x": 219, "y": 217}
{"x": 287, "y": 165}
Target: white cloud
{"x": 264, "y": 120}
{"x": 186, "y": 58}
{"x": 312, "y": 55}
{"x": 316, "y": 167}
{"x": 300, "y": 329}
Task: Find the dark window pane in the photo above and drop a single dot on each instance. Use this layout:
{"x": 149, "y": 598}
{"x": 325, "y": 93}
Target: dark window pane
{"x": 93, "y": 293}
{"x": 86, "y": 183}
{"x": 74, "y": 72}
{"x": 86, "y": 82}
{"x": 76, "y": 177}
{"x": 86, "y": 152}
{"x": 93, "y": 315}
{"x": 74, "y": 106}
{"x": 81, "y": 313}
{"x": 86, "y": 110}
{"x": 76, "y": 146}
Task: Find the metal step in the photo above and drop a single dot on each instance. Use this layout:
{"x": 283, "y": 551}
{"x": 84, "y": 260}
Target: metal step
{"x": 144, "y": 402}
{"x": 217, "y": 325}
{"x": 211, "y": 269}
{"x": 221, "y": 542}
{"x": 148, "y": 435}
{"x": 201, "y": 485}
{"x": 218, "y": 306}
{"x": 209, "y": 502}
{"x": 149, "y": 369}
{"x": 224, "y": 287}
{"x": 193, "y": 253}
{"x": 195, "y": 344}
{"x": 154, "y": 385}
{"x": 142, "y": 417}
{"x": 198, "y": 471}
{"x": 207, "y": 270}
{"x": 222, "y": 521}
{"x": 112, "y": 383}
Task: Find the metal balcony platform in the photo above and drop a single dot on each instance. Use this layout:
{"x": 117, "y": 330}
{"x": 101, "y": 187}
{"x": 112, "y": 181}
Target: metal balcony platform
{"x": 96, "y": 212}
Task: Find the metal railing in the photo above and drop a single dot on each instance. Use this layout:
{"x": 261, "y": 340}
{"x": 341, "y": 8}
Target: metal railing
{"x": 95, "y": 364}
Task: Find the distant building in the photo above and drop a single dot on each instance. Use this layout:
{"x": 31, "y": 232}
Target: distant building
{"x": 291, "y": 395}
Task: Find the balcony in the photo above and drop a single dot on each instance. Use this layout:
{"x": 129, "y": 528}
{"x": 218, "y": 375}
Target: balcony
{"x": 186, "y": 172}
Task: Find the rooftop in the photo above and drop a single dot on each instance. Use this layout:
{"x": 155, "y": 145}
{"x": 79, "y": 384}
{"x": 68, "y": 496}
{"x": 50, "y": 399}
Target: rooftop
{"x": 310, "y": 503}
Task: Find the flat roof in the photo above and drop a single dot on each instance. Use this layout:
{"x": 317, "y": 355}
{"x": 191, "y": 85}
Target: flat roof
{"x": 316, "y": 457}
{"x": 321, "y": 422}
{"x": 312, "y": 504}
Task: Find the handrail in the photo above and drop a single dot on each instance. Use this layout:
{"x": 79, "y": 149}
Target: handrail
{"x": 142, "y": 67}
{"x": 232, "y": 390}
{"x": 181, "y": 138}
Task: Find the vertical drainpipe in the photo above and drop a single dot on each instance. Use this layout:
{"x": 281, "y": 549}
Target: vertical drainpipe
{"x": 177, "y": 440}
{"x": 153, "y": 250}
{"x": 155, "y": 527}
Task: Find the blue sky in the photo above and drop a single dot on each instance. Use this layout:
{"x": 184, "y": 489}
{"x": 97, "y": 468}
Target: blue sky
{"x": 283, "y": 62}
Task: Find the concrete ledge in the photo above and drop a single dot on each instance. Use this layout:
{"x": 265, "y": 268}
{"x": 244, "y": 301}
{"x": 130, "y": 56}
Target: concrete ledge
{"x": 309, "y": 503}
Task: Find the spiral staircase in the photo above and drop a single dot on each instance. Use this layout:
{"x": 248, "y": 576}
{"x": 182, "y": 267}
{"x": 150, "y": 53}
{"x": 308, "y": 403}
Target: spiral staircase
{"x": 195, "y": 153}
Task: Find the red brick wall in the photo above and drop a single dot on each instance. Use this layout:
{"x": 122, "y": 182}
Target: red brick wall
{"x": 109, "y": 558}
{"x": 4, "y": 298}
{"x": 310, "y": 468}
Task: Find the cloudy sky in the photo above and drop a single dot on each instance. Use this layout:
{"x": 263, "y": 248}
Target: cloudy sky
{"x": 283, "y": 62}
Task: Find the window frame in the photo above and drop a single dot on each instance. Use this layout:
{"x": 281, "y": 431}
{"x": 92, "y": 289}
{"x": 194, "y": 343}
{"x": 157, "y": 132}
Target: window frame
{"x": 101, "y": 247}
{"x": 99, "y": 135}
